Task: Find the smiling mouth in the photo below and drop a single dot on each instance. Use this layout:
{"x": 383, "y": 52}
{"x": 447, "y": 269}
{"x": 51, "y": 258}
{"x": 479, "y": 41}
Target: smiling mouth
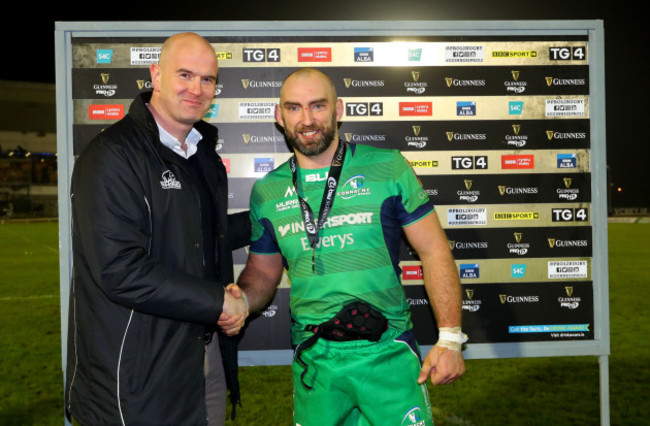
{"x": 309, "y": 133}
{"x": 192, "y": 102}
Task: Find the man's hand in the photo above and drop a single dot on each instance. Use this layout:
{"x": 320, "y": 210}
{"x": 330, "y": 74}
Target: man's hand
{"x": 235, "y": 310}
{"x": 443, "y": 365}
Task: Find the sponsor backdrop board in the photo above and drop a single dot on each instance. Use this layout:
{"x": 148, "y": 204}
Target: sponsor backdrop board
{"x": 502, "y": 121}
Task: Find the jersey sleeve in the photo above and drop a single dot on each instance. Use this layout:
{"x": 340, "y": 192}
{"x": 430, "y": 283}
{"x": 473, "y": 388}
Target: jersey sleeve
{"x": 415, "y": 203}
{"x": 263, "y": 239}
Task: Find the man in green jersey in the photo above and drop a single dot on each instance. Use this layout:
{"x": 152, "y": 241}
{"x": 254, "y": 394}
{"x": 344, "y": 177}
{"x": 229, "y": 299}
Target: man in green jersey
{"x": 332, "y": 216}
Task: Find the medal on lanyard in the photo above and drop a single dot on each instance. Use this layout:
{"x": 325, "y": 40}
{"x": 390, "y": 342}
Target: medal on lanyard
{"x": 333, "y": 175}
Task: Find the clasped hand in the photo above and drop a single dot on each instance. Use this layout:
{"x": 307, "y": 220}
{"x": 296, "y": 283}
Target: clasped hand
{"x": 234, "y": 313}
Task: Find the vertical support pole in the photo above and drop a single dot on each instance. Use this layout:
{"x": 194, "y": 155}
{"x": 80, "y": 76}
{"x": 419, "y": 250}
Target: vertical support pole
{"x": 604, "y": 390}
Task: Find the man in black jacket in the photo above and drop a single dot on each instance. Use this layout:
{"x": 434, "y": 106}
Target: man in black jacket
{"x": 152, "y": 256}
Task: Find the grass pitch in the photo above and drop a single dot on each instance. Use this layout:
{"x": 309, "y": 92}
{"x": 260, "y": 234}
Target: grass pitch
{"x": 522, "y": 391}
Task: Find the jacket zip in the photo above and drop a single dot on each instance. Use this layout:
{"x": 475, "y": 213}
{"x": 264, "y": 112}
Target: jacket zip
{"x": 74, "y": 322}
{"x": 74, "y": 338}
{"x": 119, "y": 366}
{"x": 126, "y": 330}
{"x": 198, "y": 200}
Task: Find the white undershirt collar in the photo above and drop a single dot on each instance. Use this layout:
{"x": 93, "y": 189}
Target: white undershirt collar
{"x": 192, "y": 139}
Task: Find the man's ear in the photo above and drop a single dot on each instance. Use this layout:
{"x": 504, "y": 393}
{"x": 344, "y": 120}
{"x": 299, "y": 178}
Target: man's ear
{"x": 278, "y": 115}
{"x": 339, "y": 109}
{"x": 154, "y": 70}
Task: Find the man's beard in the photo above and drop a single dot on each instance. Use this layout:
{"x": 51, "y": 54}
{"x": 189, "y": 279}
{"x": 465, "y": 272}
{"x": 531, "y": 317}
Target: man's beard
{"x": 316, "y": 146}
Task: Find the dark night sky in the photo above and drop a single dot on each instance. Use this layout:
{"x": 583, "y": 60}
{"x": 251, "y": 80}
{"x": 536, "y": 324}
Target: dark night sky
{"x": 28, "y": 48}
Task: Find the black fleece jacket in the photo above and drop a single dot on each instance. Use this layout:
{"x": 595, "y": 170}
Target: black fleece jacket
{"x": 141, "y": 302}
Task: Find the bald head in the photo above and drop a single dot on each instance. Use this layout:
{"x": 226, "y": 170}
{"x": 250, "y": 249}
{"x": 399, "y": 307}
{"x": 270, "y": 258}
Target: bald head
{"x": 306, "y": 74}
{"x": 309, "y": 111}
{"x": 184, "y": 81}
{"x": 182, "y": 41}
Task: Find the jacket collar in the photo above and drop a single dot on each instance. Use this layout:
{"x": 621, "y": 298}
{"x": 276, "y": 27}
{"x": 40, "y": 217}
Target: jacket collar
{"x": 143, "y": 117}
{"x": 141, "y": 114}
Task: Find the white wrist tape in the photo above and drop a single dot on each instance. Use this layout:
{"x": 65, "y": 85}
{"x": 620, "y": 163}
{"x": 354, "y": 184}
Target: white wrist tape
{"x": 451, "y": 338}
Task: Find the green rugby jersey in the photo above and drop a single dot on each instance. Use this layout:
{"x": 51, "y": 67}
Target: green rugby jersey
{"x": 357, "y": 254}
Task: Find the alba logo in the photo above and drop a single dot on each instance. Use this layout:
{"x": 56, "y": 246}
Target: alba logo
{"x": 364, "y": 54}
{"x": 469, "y": 271}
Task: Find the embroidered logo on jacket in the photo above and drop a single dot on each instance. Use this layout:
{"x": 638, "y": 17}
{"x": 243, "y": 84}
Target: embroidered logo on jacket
{"x": 169, "y": 181}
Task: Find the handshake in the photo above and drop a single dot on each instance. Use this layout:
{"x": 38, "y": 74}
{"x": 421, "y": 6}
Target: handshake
{"x": 234, "y": 312}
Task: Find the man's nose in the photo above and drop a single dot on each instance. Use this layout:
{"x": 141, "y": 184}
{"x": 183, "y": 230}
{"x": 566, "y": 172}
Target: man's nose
{"x": 307, "y": 116}
{"x": 195, "y": 86}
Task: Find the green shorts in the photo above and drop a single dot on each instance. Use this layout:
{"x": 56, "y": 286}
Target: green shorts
{"x": 362, "y": 383}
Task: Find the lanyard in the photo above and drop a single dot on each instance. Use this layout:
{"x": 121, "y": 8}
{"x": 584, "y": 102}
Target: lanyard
{"x": 328, "y": 199}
